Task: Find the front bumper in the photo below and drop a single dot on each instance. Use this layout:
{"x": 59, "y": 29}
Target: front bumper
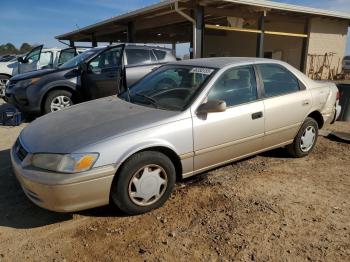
{"x": 22, "y": 98}
{"x": 64, "y": 192}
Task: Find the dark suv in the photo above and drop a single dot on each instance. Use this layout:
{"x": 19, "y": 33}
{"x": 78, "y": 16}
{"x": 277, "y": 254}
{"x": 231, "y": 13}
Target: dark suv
{"x": 96, "y": 73}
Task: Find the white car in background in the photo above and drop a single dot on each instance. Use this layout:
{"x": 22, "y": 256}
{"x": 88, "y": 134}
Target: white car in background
{"x": 38, "y": 58}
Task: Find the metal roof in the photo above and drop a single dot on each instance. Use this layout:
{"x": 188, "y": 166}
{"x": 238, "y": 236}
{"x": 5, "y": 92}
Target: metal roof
{"x": 256, "y": 3}
{"x": 292, "y": 8}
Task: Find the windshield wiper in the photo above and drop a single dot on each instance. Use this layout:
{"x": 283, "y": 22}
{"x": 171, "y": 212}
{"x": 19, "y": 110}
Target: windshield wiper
{"x": 150, "y": 99}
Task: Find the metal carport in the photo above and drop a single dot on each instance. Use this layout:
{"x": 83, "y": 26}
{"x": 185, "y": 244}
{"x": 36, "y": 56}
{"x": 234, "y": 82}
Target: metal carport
{"x": 184, "y": 21}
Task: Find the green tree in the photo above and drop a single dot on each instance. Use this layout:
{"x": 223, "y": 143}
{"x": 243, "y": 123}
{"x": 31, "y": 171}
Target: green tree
{"x": 25, "y": 47}
{"x": 8, "y": 49}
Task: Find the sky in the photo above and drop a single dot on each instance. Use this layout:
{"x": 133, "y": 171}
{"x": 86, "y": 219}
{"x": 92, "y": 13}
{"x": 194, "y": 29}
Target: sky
{"x": 39, "y": 21}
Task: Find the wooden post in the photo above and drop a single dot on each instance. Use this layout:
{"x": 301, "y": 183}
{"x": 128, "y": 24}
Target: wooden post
{"x": 260, "y": 37}
{"x": 305, "y": 47}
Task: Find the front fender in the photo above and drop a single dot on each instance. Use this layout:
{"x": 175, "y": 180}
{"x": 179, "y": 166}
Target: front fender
{"x": 141, "y": 147}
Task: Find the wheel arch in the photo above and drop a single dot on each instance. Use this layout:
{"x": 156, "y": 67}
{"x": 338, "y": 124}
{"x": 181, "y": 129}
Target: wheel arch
{"x": 317, "y": 116}
{"x": 7, "y": 75}
{"x": 55, "y": 88}
{"x": 166, "y": 150}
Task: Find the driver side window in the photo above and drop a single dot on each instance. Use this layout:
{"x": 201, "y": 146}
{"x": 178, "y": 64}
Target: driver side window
{"x": 235, "y": 86}
{"x": 108, "y": 59}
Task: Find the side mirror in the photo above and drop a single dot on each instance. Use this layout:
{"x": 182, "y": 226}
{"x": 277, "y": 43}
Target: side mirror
{"x": 212, "y": 106}
{"x": 20, "y": 59}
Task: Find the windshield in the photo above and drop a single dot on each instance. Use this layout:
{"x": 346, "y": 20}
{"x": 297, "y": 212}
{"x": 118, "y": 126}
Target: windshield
{"x": 79, "y": 58}
{"x": 169, "y": 87}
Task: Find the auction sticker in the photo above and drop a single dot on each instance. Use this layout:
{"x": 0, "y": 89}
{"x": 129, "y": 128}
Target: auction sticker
{"x": 201, "y": 70}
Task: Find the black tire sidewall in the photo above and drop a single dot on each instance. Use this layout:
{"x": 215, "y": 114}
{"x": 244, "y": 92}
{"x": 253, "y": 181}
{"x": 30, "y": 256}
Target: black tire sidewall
{"x": 297, "y": 141}
{"x": 120, "y": 186}
{"x": 54, "y": 94}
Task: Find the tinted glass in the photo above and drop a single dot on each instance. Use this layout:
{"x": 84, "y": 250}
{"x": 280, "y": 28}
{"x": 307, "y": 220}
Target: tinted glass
{"x": 108, "y": 59}
{"x": 278, "y": 80}
{"x": 138, "y": 56}
{"x": 235, "y": 86}
{"x": 66, "y": 55}
{"x": 34, "y": 55}
{"x": 79, "y": 58}
{"x": 169, "y": 87}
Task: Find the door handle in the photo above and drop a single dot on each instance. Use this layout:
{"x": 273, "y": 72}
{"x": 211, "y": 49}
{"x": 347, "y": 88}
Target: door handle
{"x": 306, "y": 102}
{"x": 257, "y": 115}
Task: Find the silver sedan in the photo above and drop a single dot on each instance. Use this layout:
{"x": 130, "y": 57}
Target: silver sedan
{"x": 182, "y": 119}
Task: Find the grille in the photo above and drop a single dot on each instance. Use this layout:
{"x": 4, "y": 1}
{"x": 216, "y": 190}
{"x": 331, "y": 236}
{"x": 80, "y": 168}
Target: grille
{"x": 20, "y": 151}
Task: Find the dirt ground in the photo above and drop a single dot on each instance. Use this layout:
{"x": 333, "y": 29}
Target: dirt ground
{"x": 265, "y": 208}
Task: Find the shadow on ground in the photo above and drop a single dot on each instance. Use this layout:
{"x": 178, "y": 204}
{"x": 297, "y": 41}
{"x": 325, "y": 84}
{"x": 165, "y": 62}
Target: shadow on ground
{"x": 17, "y": 211}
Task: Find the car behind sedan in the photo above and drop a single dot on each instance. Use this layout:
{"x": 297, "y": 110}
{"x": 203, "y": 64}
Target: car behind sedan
{"x": 182, "y": 119}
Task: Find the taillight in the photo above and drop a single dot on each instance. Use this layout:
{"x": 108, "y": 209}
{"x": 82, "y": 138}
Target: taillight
{"x": 338, "y": 96}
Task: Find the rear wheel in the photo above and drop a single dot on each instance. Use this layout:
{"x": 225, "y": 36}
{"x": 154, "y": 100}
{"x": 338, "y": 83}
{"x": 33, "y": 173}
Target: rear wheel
{"x": 305, "y": 140}
{"x": 57, "y": 100}
{"x": 145, "y": 182}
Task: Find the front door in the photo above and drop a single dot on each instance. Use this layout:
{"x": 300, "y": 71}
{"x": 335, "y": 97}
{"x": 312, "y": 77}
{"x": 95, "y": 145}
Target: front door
{"x": 103, "y": 76}
{"x": 66, "y": 54}
{"x": 223, "y": 137}
{"x": 287, "y": 103}
{"x": 31, "y": 60}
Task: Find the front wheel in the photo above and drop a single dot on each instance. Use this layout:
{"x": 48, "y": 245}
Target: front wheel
{"x": 305, "y": 140}
{"x": 58, "y": 100}
{"x": 145, "y": 182}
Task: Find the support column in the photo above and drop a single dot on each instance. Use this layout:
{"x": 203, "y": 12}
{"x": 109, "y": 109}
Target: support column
{"x": 173, "y": 48}
{"x": 71, "y": 43}
{"x": 93, "y": 40}
{"x": 131, "y": 32}
{"x": 305, "y": 47}
{"x": 261, "y": 36}
{"x": 198, "y": 32}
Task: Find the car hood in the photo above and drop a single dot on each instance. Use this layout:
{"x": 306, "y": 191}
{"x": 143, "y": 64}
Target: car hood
{"x": 71, "y": 129}
{"x": 32, "y": 74}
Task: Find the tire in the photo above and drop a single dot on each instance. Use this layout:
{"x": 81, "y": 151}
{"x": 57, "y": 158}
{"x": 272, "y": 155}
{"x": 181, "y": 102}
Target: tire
{"x": 130, "y": 199}
{"x": 301, "y": 148}
{"x": 3, "y": 81}
{"x": 57, "y": 100}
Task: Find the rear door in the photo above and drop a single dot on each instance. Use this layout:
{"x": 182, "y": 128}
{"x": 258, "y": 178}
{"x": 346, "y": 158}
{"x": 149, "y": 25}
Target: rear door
{"x": 66, "y": 54}
{"x": 139, "y": 62}
{"x": 104, "y": 73}
{"x": 287, "y": 103}
{"x": 31, "y": 60}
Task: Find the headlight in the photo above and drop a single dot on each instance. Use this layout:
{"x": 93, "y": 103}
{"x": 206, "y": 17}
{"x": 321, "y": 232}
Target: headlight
{"x": 71, "y": 163}
{"x": 27, "y": 82}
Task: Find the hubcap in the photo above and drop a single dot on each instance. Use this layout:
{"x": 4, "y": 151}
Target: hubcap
{"x": 308, "y": 139}
{"x": 60, "y": 102}
{"x": 3, "y": 83}
{"x": 148, "y": 185}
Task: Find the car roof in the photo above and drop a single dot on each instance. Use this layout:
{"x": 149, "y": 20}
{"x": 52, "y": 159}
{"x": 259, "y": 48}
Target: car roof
{"x": 221, "y": 62}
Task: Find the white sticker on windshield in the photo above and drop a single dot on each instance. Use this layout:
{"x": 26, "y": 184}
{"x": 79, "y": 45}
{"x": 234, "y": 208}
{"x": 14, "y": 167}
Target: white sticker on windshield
{"x": 201, "y": 70}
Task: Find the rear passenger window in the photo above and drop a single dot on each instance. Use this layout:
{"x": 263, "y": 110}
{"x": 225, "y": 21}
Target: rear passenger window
{"x": 137, "y": 56}
{"x": 278, "y": 80}
{"x": 235, "y": 86}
